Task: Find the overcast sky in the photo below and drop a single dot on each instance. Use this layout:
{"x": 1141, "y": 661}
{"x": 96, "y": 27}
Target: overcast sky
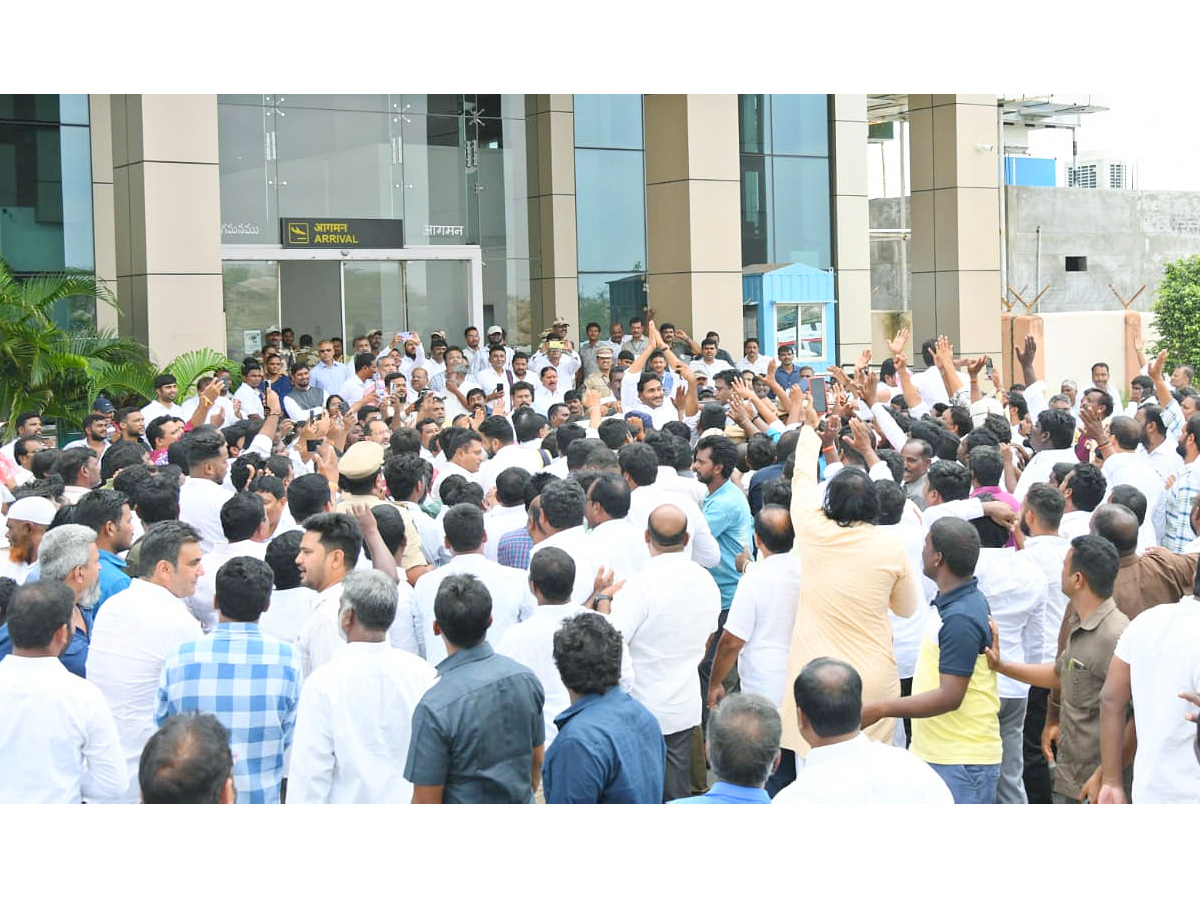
{"x": 1152, "y": 131}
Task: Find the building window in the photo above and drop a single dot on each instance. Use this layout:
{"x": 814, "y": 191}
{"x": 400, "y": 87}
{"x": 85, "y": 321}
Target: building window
{"x": 610, "y": 207}
{"x": 784, "y": 139}
{"x": 1076, "y": 263}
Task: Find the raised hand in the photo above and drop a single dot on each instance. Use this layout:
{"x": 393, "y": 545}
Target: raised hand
{"x": 975, "y": 364}
{"x": 899, "y": 342}
{"x": 1030, "y": 350}
{"x": 1155, "y": 369}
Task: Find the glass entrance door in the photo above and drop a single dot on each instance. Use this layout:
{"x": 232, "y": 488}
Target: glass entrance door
{"x": 326, "y": 296}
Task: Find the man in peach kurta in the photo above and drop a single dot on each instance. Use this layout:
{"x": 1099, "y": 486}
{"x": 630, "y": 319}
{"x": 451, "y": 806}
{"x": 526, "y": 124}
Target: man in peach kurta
{"x": 852, "y": 575}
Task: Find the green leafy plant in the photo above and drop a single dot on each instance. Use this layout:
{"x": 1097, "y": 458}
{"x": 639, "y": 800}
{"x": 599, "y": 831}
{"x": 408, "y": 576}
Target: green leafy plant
{"x": 59, "y": 372}
{"x": 1177, "y": 313}
{"x": 188, "y": 367}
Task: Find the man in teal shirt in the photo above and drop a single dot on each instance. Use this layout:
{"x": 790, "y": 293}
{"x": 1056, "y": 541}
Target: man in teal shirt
{"x": 107, "y": 513}
{"x": 728, "y": 515}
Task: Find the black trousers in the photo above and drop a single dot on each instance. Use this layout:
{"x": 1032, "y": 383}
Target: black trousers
{"x": 1038, "y": 783}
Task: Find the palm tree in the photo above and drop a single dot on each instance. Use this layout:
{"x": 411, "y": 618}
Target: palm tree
{"x": 60, "y": 372}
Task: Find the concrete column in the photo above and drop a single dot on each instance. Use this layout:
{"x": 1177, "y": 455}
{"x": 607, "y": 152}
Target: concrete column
{"x": 851, "y": 239}
{"x": 955, "y": 248}
{"x": 554, "y": 267}
{"x": 167, "y": 212}
{"x": 693, "y": 214}
{"x": 103, "y": 219}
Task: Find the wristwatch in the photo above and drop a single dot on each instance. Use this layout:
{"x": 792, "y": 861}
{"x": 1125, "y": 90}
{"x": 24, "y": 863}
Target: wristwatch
{"x": 599, "y": 597}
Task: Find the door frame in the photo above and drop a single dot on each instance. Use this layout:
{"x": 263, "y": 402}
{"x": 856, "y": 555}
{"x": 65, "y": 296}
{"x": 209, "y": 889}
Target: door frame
{"x": 468, "y": 253}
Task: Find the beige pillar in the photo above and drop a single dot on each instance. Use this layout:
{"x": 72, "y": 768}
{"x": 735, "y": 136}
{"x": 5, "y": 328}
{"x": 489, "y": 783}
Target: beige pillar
{"x": 554, "y": 275}
{"x": 851, "y": 239}
{"x": 693, "y": 214}
{"x": 167, "y": 209}
{"x": 104, "y": 238}
{"x": 955, "y": 249}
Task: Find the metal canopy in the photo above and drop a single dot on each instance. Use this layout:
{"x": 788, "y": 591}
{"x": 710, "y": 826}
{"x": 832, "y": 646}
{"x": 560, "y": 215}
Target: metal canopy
{"x": 1031, "y": 111}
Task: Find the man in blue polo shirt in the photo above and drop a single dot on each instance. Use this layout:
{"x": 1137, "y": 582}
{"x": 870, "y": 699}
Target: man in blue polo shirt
{"x": 609, "y": 747}
{"x": 107, "y": 513}
{"x": 954, "y": 704}
{"x": 728, "y": 515}
{"x": 744, "y": 731}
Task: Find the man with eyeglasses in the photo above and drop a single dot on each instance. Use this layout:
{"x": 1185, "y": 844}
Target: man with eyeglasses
{"x": 328, "y": 373}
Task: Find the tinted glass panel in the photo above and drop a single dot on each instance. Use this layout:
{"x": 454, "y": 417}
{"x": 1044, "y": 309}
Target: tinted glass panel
{"x": 800, "y": 124}
{"x": 802, "y": 211}
{"x": 609, "y": 120}
{"x": 610, "y": 203}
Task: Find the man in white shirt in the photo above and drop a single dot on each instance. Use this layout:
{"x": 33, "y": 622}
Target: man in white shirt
{"x": 1016, "y": 593}
{"x": 138, "y": 627}
{"x": 559, "y": 523}
{"x": 758, "y": 630}
{"x": 58, "y": 740}
{"x": 1156, "y": 658}
{"x": 1083, "y": 489}
{"x": 246, "y": 530}
{"x": 248, "y": 394}
{"x": 291, "y": 602}
{"x": 1053, "y": 438}
{"x": 707, "y": 362}
{"x": 456, "y": 386}
{"x": 495, "y": 377}
{"x": 666, "y": 614}
{"x": 495, "y": 341}
{"x": 639, "y": 467}
{"x": 752, "y": 359}
{"x": 362, "y": 380}
{"x": 354, "y": 722}
{"x": 79, "y": 468}
{"x": 28, "y": 519}
{"x": 1123, "y": 465}
{"x": 548, "y": 391}
{"x": 1041, "y": 513}
{"x": 166, "y": 389}
{"x": 499, "y": 440}
{"x": 220, "y": 413}
{"x": 28, "y": 425}
{"x": 509, "y": 513}
{"x": 464, "y": 458}
{"x": 1157, "y": 446}
{"x": 531, "y": 642}
{"x": 613, "y": 541}
{"x": 329, "y": 551}
{"x": 843, "y": 765}
{"x": 203, "y": 493}
{"x": 511, "y": 601}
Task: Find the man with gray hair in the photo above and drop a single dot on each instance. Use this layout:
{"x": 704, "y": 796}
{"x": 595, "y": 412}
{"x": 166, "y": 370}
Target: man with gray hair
{"x": 742, "y": 743}
{"x": 68, "y": 554}
{"x": 843, "y": 765}
{"x": 354, "y": 722}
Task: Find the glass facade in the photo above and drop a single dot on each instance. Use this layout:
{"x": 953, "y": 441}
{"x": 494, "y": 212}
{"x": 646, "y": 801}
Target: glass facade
{"x": 452, "y": 166}
{"x": 784, "y": 142}
{"x": 46, "y": 188}
{"x": 610, "y": 207}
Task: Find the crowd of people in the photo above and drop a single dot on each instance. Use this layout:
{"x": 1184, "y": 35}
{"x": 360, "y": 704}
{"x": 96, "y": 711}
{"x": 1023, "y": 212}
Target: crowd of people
{"x": 623, "y": 570}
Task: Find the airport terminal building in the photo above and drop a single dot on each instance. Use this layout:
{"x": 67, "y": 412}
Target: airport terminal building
{"x": 213, "y": 216}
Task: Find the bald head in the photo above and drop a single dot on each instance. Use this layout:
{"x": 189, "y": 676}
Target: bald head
{"x": 828, "y": 695}
{"x": 666, "y": 529}
{"x": 773, "y": 530}
{"x": 1118, "y": 524}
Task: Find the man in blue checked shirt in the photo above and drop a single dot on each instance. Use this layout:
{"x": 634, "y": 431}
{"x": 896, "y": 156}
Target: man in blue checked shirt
{"x": 248, "y": 680}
